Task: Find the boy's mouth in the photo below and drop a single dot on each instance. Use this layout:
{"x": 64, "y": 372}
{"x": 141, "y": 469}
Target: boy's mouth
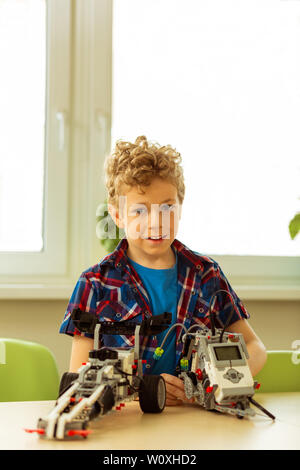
{"x": 156, "y": 239}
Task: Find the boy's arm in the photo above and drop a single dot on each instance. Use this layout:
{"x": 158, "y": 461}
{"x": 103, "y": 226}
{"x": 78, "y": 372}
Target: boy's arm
{"x": 81, "y": 346}
{"x": 256, "y": 349}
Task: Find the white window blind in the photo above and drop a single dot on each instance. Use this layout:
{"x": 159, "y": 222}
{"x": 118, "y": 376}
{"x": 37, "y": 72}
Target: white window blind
{"x": 22, "y": 123}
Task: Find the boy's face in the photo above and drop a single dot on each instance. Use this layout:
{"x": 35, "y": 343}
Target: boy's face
{"x": 155, "y": 213}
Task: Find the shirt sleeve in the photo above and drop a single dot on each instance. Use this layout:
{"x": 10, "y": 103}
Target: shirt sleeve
{"x": 225, "y": 302}
{"x": 83, "y": 297}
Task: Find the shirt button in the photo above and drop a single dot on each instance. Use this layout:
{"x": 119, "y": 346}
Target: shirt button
{"x": 148, "y": 366}
{"x": 201, "y": 310}
{"x": 119, "y": 265}
{"x": 193, "y": 291}
{"x": 118, "y": 315}
{"x": 198, "y": 266}
{"x": 134, "y": 289}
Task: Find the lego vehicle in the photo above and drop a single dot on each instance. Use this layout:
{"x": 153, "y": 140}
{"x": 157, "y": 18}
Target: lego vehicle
{"x": 110, "y": 378}
{"x": 214, "y": 368}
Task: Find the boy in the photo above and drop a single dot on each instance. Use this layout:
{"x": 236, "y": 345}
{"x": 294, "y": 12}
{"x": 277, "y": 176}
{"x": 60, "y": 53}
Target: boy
{"x": 150, "y": 271}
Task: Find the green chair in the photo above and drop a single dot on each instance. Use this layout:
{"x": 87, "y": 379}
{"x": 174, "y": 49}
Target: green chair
{"x": 28, "y": 371}
{"x": 281, "y": 372}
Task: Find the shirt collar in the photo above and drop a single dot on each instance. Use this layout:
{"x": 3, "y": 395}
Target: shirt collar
{"x": 118, "y": 258}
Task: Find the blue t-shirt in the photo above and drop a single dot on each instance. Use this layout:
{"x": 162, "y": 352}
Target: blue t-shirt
{"x": 161, "y": 286}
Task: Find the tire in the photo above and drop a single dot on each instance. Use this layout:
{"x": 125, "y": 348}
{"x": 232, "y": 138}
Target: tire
{"x": 67, "y": 379}
{"x": 240, "y": 406}
{"x": 152, "y": 394}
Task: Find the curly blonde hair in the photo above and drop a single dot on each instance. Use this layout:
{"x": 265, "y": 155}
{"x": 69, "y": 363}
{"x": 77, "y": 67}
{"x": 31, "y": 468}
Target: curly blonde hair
{"x": 137, "y": 164}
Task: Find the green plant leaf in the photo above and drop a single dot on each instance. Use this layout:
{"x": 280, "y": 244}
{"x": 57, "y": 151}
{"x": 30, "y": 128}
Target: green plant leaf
{"x": 294, "y": 226}
{"x": 109, "y": 243}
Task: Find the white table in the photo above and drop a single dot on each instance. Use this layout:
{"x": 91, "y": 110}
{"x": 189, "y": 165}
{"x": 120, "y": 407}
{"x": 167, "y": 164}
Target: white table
{"x": 181, "y": 427}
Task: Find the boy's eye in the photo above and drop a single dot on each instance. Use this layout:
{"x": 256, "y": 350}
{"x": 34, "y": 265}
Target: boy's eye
{"x": 167, "y": 206}
{"x": 141, "y": 210}
{"x": 137, "y": 211}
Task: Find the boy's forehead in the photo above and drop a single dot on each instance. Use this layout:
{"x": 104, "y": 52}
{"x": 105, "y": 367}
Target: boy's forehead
{"x": 158, "y": 191}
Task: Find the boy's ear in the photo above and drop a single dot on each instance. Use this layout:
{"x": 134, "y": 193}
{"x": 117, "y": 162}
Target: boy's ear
{"x": 114, "y": 213}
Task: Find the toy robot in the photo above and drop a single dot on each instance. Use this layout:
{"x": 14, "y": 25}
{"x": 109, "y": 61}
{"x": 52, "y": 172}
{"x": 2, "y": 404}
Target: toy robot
{"x": 214, "y": 368}
{"x": 110, "y": 378}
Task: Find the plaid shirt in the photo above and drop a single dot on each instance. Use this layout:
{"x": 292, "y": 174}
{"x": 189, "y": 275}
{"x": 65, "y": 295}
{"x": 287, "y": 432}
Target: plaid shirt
{"x": 112, "y": 290}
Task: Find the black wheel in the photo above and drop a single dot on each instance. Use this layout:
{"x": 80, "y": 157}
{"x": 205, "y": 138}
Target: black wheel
{"x": 66, "y": 381}
{"x": 240, "y": 406}
{"x": 152, "y": 394}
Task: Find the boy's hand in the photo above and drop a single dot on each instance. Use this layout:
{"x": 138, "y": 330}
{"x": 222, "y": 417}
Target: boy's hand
{"x": 175, "y": 391}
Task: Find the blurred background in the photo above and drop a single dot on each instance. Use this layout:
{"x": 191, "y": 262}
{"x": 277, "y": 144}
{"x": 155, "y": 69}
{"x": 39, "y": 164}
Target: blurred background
{"x": 217, "y": 80}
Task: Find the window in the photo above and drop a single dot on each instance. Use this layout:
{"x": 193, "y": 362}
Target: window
{"x": 220, "y": 81}
{"x": 68, "y": 109}
{"x": 34, "y": 147}
{"x": 22, "y": 113}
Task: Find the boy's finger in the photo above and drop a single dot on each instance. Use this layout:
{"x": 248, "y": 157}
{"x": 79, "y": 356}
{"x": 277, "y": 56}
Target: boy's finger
{"x": 175, "y": 392}
{"x": 173, "y": 402}
{"x": 173, "y": 381}
{"x": 178, "y": 402}
{"x": 175, "y": 389}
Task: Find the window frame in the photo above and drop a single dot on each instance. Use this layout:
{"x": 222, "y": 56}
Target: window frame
{"x": 74, "y": 184}
{"x": 15, "y": 266}
{"x": 262, "y": 277}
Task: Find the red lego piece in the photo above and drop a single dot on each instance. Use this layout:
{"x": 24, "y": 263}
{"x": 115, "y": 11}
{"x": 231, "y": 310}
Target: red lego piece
{"x": 39, "y": 431}
{"x": 79, "y": 432}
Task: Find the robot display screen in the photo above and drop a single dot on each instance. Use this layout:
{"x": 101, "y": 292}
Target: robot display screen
{"x": 227, "y": 353}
